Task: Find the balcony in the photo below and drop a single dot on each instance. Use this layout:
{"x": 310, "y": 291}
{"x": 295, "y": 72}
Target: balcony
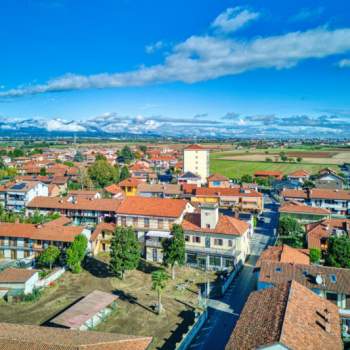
{"x": 224, "y": 252}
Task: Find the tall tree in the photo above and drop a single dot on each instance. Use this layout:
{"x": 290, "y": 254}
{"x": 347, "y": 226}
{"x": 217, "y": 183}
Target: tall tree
{"x": 49, "y": 256}
{"x": 174, "y": 249}
{"x": 102, "y": 173}
{"x": 159, "y": 282}
{"x": 124, "y": 251}
{"x": 76, "y": 253}
{"x": 124, "y": 173}
{"x": 338, "y": 252}
{"x": 127, "y": 154}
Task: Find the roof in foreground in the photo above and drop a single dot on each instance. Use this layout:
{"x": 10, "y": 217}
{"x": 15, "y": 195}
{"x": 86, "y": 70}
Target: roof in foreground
{"x": 13, "y": 275}
{"x": 289, "y": 314}
{"x": 299, "y": 208}
{"x": 158, "y": 207}
{"x": 25, "y": 337}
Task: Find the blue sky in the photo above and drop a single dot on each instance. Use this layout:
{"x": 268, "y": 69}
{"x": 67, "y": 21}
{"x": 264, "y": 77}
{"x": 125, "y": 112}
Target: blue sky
{"x": 249, "y": 66}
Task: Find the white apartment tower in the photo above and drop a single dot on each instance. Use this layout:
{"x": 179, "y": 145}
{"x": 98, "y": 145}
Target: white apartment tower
{"x": 196, "y": 161}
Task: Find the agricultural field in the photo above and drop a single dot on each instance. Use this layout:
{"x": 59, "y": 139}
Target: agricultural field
{"x": 236, "y": 163}
{"x": 134, "y": 314}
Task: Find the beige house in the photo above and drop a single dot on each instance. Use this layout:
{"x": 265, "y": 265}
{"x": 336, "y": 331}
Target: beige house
{"x": 214, "y": 241}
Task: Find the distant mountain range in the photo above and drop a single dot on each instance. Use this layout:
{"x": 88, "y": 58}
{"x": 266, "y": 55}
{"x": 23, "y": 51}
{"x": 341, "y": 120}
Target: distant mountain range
{"x": 114, "y": 125}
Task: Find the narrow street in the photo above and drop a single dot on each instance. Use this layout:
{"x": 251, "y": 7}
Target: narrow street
{"x": 224, "y": 312}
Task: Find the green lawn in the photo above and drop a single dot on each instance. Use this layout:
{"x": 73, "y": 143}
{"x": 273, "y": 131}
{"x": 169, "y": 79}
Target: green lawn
{"x": 237, "y": 168}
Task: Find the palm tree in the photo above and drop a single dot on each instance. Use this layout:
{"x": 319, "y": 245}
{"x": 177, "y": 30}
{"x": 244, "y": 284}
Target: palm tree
{"x": 159, "y": 279}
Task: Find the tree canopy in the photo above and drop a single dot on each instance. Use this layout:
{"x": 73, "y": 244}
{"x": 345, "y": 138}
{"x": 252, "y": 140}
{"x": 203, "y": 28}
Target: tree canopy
{"x": 102, "y": 173}
{"x": 124, "y": 251}
{"x": 338, "y": 252}
{"x": 76, "y": 253}
{"x": 49, "y": 256}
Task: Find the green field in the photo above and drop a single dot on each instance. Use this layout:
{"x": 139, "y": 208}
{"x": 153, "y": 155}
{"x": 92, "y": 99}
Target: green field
{"x": 237, "y": 168}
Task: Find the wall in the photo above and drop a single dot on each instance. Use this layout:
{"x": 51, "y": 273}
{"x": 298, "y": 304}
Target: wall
{"x": 197, "y": 162}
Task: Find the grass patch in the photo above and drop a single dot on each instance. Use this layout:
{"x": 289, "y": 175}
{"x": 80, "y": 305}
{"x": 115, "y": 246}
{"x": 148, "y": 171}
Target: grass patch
{"x": 134, "y": 312}
{"x": 238, "y": 168}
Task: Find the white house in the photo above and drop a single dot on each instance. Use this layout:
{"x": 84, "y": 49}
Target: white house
{"x": 196, "y": 161}
{"x": 21, "y": 279}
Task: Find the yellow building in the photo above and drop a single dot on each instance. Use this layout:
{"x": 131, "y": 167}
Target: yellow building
{"x": 129, "y": 186}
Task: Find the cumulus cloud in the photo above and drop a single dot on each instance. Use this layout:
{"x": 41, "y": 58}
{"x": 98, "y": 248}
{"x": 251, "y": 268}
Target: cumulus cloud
{"x": 230, "y": 116}
{"x": 345, "y": 63}
{"x": 233, "y": 19}
{"x": 206, "y": 57}
{"x": 151, "y": 48}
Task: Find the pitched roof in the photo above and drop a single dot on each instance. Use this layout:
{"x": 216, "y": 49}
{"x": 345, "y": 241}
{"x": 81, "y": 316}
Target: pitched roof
{"x": 100, "y": 204}
{"x": 102, "y": 226}
{"x": 299, "y": 208}
{"x": 130, "y": 182}
{"x": 317, "y": 193}
{"x": 285, "y": 254}
{"x": 226, "y": 225}
{"x": 13, "y": 275}
{"x": 268, "y": 173}
{"x": 291, "y": 315}
{"x": 113, "y": 189}
{"x": 333, "y": 279}
{"x": 51, "y": 231}
{"x": 217, "y": 177}
{"x": 229, "y": 192}
{"x": 189, "y": 175}
{"x": 159, "y": 188}
{"x": 323, "y": 229}
{"x": 195, "y": 148}
{"x": 299, "y": 173}
{"x": 25, "y": 337}
{"x": 158, "y": 207}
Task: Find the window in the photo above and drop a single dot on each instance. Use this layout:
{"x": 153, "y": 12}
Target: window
{"x": 218, "y": 241}
{"x": 134, "y": 221}
{"x": 187, "y": 238}
{"x": 160, "y": 223}
{"x": 196, "y": 239}
{"x": 146, "y": 222}
{"x": 192, "y": 258}
{"x": 215, "y": 261}
{"x": 123, "y": 220}
{"x": 230, "y": 243}
{"x": 103, "y": 247}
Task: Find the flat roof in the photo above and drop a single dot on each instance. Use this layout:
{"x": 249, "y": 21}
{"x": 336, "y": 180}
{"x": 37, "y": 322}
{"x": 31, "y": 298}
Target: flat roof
{"x": 82, "y": 311}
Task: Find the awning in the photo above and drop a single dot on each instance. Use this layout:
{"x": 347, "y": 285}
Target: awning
{"x": 161, "y": 234}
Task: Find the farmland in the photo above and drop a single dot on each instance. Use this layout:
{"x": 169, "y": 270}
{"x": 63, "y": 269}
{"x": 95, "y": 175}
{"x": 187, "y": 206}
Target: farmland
{"x": 236, "y": 163}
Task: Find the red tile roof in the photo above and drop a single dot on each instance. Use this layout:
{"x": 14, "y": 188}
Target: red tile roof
{"x": 297, "y": 208}
{"x": 56, "y": 203}
{"x": 195, "y": 148}
{"x": 113, "y": 189}
{"x": 13, "y": 275}
{"x": 130, "y": 182}
{"x": 320, "y": 230}
{"x": 278, "y": 174}
{"x": 300, "y": 173}
{"x": 284, "y": 254}
{"x": 317, "y": 193}
{"x": 25, "y": 337}
{"x": 217, "y": 177}
{"x": 158, "y": 207}
{"x": 290, "y": 315}
{"x": 229, "y": 192}
{"x": 102, "y": 226}
{"x": 226, "y": 225}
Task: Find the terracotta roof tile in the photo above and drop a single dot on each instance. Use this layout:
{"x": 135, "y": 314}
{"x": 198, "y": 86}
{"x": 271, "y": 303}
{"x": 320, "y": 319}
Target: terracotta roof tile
{"x": 13, "y": 275}
{"x": 25, "y": 337}
{"x": 226, "y": 225}
{"x": 195, "y": 148}
{"x": 217, "y": 177}
{"x": 297, "y": 208}
{"x": 229, "y": 192}
{"x": 288, "y": 314}
{"x": 157, "y": 207}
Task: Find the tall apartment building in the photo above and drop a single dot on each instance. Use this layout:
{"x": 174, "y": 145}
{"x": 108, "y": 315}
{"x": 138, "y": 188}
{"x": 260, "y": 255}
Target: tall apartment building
{"x": 196, "y": 161}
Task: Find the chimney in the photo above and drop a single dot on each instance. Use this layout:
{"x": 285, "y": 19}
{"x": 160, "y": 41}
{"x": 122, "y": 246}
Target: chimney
{"x": 209, "y": 215}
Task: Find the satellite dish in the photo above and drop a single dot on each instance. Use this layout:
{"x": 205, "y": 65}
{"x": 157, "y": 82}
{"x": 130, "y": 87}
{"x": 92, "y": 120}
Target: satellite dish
{"x": 319, "y": 279}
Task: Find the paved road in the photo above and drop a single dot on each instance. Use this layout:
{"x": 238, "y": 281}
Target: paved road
{"x": 224, "y": 312}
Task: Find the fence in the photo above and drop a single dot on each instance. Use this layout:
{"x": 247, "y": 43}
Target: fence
{"x": 230, "y": 278}
{"x": 192, "y": 332}
{"x": 51, "y": 277}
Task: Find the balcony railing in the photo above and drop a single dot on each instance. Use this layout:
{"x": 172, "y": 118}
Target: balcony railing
{"x": 215, "y": 251}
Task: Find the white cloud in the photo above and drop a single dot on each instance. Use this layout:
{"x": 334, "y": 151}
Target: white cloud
{"x": 308, "y": 14}
{"x": 151, "y": 48}
{"x": 201, "y": 58}
{"x": 345, "y": 63}
{"x": 233, "y": 19}
{"x": 61, "y": 125}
